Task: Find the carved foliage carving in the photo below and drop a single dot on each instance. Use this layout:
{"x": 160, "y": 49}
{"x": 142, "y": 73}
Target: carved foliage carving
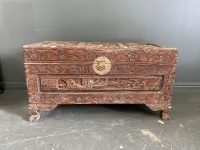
{"x": 31, "y": 82}
{"x": 87, "y": 69}
{"x": 131, "y": 98}
{"x": 139, "y": 56}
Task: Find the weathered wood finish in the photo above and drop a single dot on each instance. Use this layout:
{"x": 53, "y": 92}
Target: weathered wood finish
{"x": 63, "y": 73}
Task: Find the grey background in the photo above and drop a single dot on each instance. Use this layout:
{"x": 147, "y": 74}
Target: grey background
{"x": 174, "y": 23}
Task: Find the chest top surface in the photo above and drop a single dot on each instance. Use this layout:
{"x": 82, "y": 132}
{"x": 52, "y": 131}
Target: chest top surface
{"x": 95, "y": 46}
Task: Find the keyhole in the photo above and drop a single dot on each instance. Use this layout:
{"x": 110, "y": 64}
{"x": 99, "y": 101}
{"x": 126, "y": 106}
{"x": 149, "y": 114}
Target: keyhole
{"x": 101, "y": 68}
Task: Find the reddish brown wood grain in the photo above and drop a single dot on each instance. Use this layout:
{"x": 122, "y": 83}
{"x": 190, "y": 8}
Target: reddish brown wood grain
{"x": 63, "y": 73}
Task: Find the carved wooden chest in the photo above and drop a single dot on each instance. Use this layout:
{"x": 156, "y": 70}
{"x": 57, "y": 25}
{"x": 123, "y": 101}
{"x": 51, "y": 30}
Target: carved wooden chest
{"x": 99, "y": 73}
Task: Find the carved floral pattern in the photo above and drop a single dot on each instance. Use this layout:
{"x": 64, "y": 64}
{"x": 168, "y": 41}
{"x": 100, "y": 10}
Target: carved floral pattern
{"x": 31, "y": 82}
{"x": 101, "y": 98}
{"x": 132, "y": 56}
{"x": 87, "y": 69}
{"x": 166, "y": 57}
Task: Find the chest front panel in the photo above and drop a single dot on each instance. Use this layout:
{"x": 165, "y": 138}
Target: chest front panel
{"x": 95, "y": 73}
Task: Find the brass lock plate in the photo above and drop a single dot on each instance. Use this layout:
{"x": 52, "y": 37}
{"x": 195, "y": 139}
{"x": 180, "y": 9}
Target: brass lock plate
{"x": 101, "y": 65}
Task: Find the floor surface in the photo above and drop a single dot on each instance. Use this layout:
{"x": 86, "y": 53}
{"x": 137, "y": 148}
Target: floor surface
{"x": 100, "y": 127}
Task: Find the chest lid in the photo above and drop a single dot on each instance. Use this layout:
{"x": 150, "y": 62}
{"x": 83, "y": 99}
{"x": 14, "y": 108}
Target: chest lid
{"x": 87, "y": 52}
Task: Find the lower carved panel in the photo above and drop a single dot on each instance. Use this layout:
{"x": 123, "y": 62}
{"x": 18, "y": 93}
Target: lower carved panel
{"x": 98, "y": 98}
{"x": 47, "y": 102}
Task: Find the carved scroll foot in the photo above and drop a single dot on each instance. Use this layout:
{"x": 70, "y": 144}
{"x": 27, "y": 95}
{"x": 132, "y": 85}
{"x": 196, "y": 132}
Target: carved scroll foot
{"x": 34, "y": 117}
{"x": 164, "y": 114}
{"x": 164, "y": 110}
{"x": 37, "y": 108}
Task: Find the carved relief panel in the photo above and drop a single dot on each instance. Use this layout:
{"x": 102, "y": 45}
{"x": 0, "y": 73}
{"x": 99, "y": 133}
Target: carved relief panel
{"x": 95, "y": 83}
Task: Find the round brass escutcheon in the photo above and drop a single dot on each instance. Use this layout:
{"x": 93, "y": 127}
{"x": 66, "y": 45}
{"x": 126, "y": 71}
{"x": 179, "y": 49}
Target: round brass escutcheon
{"x": 101, "y": 65}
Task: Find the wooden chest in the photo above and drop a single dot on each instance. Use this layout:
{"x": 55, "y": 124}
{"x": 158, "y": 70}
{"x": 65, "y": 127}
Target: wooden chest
{"x": 99, "y": 73}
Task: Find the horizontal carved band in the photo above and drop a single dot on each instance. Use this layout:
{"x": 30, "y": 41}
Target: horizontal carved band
{"x": 135, "y": 56}
{"x": 98, "y": 98}
{"x": 88, "y": 69}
